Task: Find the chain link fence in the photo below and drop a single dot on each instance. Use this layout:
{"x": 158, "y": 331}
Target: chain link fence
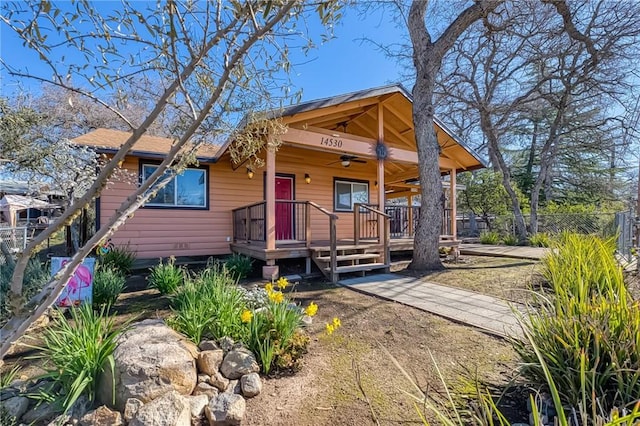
{"x": 582, "y": 223}
{"x": 13, "y": 241}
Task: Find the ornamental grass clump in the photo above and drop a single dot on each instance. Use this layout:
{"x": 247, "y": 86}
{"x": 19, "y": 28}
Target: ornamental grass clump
{"x": 166, "y": 277}
{"x": 77, "y": 351}
{"x": 489, "y": 238}
{"x": 541, "y": 239}
{"x": 209, "y": 305}
{"x": 108, "y": 283}
{"x": 120, "y": 258}
{"x": 586, "y": 333}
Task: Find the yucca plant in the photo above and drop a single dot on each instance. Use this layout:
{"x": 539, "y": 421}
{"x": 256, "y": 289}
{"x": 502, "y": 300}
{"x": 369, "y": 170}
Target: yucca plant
{"x": 108, "y": 283}
{"x": 76, "y": 352}
{"x": 166, "y": 277}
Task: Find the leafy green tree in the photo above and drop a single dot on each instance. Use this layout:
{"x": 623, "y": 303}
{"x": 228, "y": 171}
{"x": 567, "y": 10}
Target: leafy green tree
{"x": 484, "y": 195}
{"x": 213, "y": 60}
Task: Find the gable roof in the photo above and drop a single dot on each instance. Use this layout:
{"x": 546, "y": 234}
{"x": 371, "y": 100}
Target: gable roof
{"x": 110, "y": 141}
{"x": 357, "y": 109}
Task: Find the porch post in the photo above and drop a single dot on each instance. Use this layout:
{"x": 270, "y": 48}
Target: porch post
{"x": 454, "y": 224}
{"x": 410, "y": 215}
{"x": 270, "y": 270}
{"x": 381, "y": 194}
{"x": 270, "y": 189}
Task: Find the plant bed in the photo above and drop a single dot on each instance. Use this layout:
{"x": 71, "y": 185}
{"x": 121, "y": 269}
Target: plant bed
{"x": 340, "y": 369}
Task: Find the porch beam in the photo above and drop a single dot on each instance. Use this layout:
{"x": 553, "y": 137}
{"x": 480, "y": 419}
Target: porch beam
{"x": 340, "y": 143}
{"x": 270, "y": 189}
{"x": 400, "y": 194}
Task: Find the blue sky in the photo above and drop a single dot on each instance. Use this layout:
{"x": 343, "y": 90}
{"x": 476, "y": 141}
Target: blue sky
{"x": 343, "y": 64}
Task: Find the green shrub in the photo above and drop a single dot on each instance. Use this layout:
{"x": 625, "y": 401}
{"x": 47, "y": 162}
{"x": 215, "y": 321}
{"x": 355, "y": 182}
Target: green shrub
{"x": 274, "y": 330}
{"x": 271, "y": 331}
{"x": 108, "y": 283}
{"x": 239, "y": 265}
{"x": 76, "y": 352}
{"x": 212, "y": 305}
{"x": 586, "y": 335}
{"x": 510, "y": 240}
{"x": 36, "y": 275}
{"x": 166, "y": 277}
{"x": 541, "y": 239}
{"x": 209, "y": 306}
{"x": 489, "y": 238}
{"x": 120, "y": 258}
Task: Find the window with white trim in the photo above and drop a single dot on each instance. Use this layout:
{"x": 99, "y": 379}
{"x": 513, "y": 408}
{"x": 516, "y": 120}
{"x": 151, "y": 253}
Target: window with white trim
{"x": 186, "y": 190}
{"x": 346, "y": 193}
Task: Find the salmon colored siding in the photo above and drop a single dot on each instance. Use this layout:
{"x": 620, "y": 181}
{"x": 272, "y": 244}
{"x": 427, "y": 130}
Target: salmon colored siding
{"x": 182, "y": 232}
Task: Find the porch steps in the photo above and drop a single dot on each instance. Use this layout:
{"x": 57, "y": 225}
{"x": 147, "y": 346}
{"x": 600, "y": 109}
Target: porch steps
{"x": 358, "y": 268}
{"x": 350, "y": 258}
{"x": 360, "y": 256}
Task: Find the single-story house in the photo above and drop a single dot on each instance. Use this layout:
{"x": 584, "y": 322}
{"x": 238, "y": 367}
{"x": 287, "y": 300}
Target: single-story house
{"x": 318, "y": 196}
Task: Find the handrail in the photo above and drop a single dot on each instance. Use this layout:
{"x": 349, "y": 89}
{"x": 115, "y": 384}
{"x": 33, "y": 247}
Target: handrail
{"x": 248, "y": 206}
{"x": 371, "y": 209}
{"x": 333, "y": 238}
{"x": 322, "y": 209}
{"x": 384, "y": 235}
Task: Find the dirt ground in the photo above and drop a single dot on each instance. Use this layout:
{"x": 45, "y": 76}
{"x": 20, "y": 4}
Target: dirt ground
{"x": 348, "y": 378}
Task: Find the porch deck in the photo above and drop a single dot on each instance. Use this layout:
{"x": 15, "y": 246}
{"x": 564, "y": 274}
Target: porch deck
{"x": 299, "y": 249}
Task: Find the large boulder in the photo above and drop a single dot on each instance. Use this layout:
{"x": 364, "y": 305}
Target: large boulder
{"x": 226, "y": 409}
{"x": 209, "y": 361}
{"x": 237, "y": 363}
{"x": 102, "y": 416}
{"x": 171, "y": 409}
{"x": 150, "y": 360}
{"x": 251, "y": 385}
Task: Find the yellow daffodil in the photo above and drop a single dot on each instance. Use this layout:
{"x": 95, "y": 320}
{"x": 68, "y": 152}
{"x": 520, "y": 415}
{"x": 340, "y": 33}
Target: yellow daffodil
{"x": 282, "y": 283}
{"x": 330, "y": 329}
{"x": 268, "y": 287}
{"x": 311, "y": 310}
{"x": 246, "y": 316}
{"x": 336, "y": 322}
{"x": 276, "y": 296}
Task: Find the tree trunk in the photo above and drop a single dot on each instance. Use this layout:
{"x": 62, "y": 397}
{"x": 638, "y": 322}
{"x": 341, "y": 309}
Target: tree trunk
{"x": 498, "y": 162}
{"x": 427, "y": 235}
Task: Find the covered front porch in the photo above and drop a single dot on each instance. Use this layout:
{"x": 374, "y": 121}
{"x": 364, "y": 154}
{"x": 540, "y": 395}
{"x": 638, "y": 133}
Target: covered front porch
{"x": 342, "y": 190}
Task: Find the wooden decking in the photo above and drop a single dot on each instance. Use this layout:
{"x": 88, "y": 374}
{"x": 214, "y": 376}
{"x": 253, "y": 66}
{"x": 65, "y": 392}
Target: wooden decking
{"x": 299, "y": 249}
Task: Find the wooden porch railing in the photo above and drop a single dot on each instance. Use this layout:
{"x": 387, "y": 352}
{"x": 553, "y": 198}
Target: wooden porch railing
{"x": 249, "y": 222}
{"x": 293, "y": 221}
{"x": 366, "y": 219}
{"x": 405, "y": 218}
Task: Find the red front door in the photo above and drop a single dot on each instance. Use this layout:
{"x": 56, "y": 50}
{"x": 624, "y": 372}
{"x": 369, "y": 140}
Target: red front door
{"x": 284, "y": 211}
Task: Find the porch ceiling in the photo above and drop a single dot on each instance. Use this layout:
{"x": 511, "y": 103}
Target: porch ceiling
{"x": 356, "y": 115}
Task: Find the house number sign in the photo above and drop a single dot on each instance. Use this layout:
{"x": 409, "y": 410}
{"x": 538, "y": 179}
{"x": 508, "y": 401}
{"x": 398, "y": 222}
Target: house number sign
{"x": 331, "y": 142}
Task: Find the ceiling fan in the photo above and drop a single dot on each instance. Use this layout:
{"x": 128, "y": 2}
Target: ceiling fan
{"x": 346, "y": 160}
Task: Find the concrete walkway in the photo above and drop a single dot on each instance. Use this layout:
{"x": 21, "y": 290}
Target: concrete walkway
{"x": 485, "y": 312}
{"x": 516, "y": 252}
